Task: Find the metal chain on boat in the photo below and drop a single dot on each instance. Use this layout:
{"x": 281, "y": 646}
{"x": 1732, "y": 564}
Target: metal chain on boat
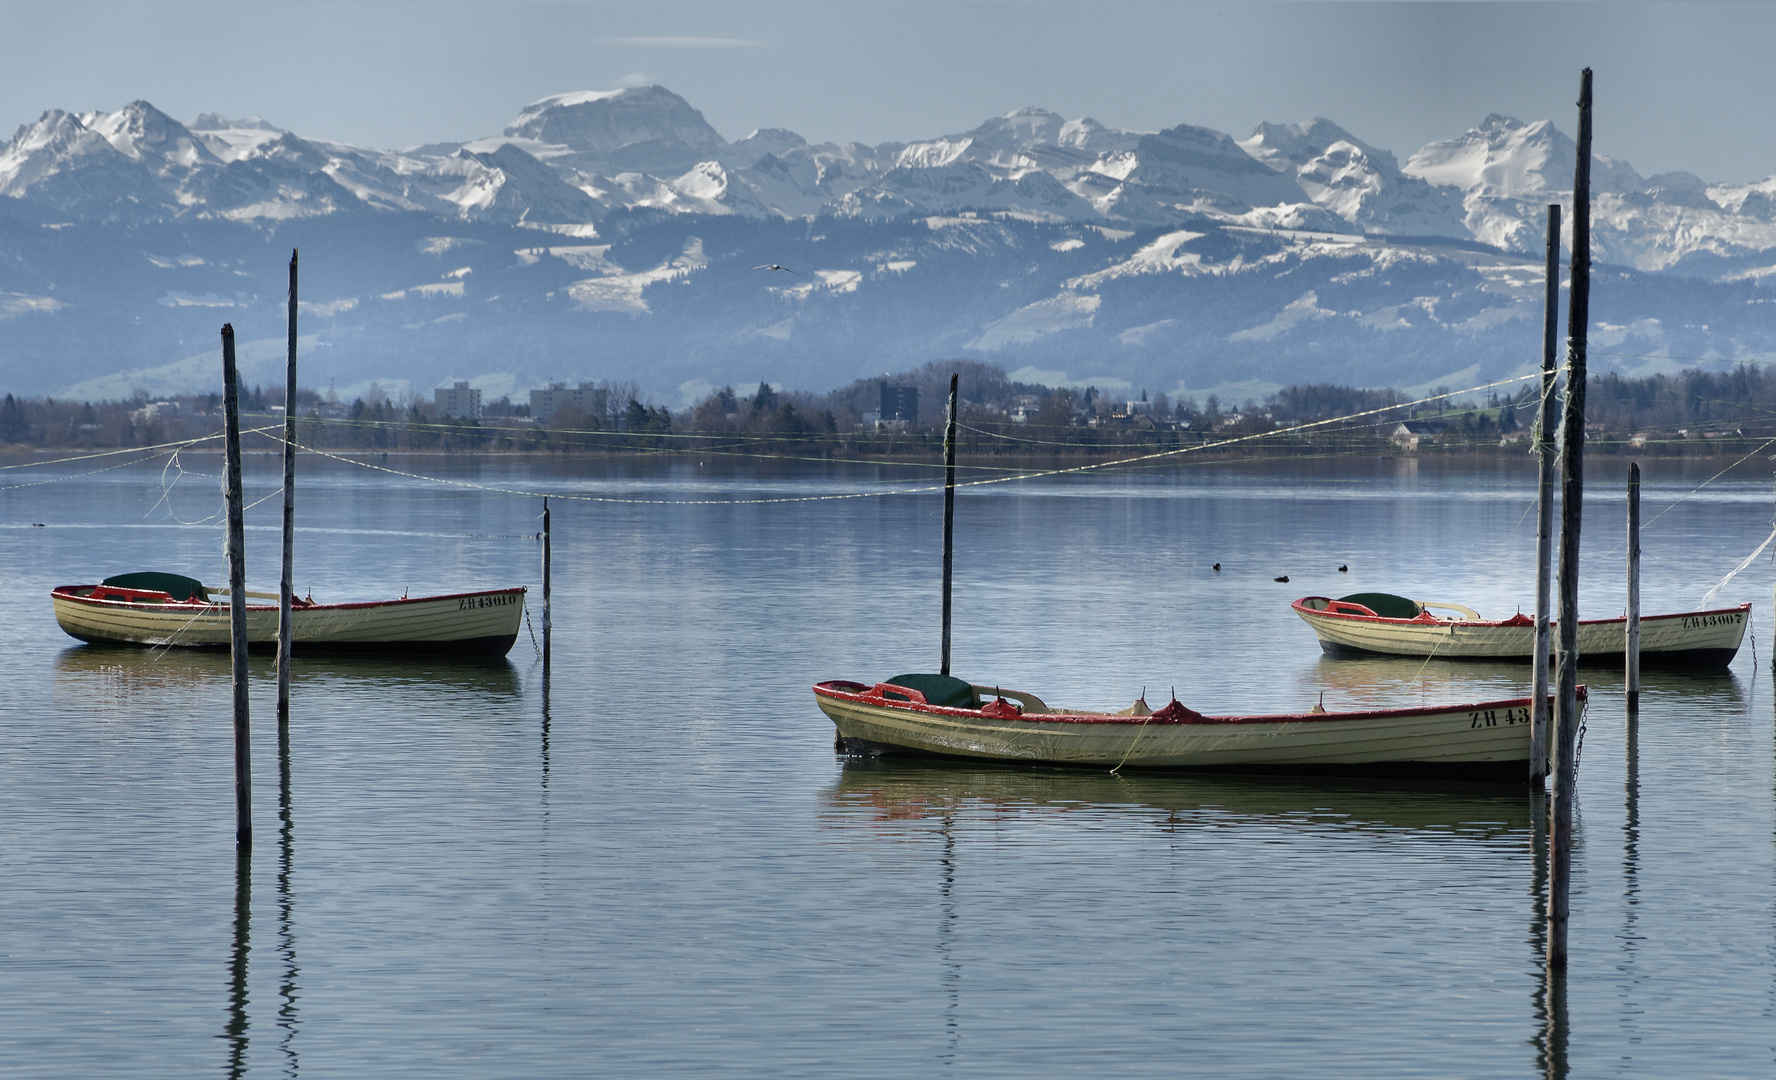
{"x": 1579, "y": 746}
{"x": 533, "y": 633}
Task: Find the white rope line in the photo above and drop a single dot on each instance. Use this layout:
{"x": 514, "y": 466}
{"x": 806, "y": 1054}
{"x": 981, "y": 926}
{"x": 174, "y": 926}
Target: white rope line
{"x": 178, "y": 445}
{"x": 1708, "y": 597}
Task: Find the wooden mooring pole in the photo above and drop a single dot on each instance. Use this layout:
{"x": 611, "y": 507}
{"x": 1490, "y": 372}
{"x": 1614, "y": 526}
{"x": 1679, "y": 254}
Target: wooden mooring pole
{"x": 1631, "y": 647}
{"x": 949, "y": 518}
{"x": 237, "y": 596}
{"x": 548, "y": 569}
{"x": 287, "y": 582}
{"x": 1545, "y": 451}
{"x": 1572, "y": 494}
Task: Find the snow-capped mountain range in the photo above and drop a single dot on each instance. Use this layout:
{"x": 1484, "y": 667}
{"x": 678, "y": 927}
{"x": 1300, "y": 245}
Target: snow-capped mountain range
{"x": 603, "y": 202}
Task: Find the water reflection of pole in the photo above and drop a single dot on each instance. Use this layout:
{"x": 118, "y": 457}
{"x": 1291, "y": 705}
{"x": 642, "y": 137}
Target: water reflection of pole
{"x": 1631, "y": 844}
{"x": 235, "y": 1032}
{"x": 1550, "y": 991}
{"x": 1631, "y": 833}
{"x": 548, "y": 613}
{"x": 545, "y": 734}
{"x": 952, "y": 974}
{"x": 1552, "y": 1049}
{"x": 286, "y": 904}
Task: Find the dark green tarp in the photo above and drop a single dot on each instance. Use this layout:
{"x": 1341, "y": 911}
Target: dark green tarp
{"x": 1387, "y": 605}
{"x": 178, "y": 586}
{"x": 938, "y": 690}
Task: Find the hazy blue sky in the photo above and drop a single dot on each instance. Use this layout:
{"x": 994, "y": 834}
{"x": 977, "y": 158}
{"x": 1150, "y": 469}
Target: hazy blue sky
{"x": 1679, "y": 85}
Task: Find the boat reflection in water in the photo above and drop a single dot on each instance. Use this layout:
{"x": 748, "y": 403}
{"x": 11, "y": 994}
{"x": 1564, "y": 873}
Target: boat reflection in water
{"x": 1170, "y": 847}
{"x": 884, "y": 790}
{"x": 120, "y": 673}
{"x": 1359, "y": 682}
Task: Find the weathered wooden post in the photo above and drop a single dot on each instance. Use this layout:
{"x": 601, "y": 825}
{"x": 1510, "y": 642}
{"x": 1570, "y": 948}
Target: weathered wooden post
{"x": 949, "y": 517}
{"x": 547, "y": 571}
{"x": 1631, "y": 647}
{"x": 287, "y": 582}
{"x": 1572, "y": 494}
{"x": 1545, "y": 422}
{"x": 237, "y": 595}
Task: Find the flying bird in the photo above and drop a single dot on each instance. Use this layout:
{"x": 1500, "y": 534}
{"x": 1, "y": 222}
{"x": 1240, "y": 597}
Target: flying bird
{"x": 774, "y": 266}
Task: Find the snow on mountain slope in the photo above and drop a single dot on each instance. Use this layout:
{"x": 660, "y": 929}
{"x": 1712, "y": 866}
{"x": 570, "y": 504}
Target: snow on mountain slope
{"x": 1064, "y": 311}
{"x": 1361, "y": 184}
{"x": 143, "y": 133}
{"x": 747, "y": 152}
{"x": 1504, "y": 168}
{"x": 1049, "y": 140}
{"x": 231, "y": 140}
{"x": 1302, "y": 252}
{"x": 509, "y": 186}
{"x": 640, "y": 129}
{"x": 129, "y": 163}
{"x": 969, "y": 185}
{"x": 1162, "y": 256}
{"x": 1175, "y": 164}
{"x": 621, "y": 291}
{"x": 1751, "y": 200}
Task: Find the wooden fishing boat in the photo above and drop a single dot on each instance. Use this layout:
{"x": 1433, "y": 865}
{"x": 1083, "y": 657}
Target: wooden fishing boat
{"x": 936, "y": 715}
{"x": 1388, "y": 625}
{"x": 158, "y": 609}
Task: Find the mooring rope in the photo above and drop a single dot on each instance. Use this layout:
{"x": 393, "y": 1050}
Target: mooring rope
{"x": 1708, "y": 597}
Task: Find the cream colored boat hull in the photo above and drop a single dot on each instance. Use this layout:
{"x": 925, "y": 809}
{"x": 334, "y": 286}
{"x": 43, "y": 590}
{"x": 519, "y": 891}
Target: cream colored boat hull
{"x": 483, "y": 623}
{"x": 1482, "y": 741}
{"x": 1698, "y": 639}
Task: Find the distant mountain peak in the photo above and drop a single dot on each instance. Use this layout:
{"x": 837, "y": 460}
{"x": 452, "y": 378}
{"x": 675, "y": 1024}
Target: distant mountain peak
{"x": 638, "y": 129}
{"x": 1284, "y": 145}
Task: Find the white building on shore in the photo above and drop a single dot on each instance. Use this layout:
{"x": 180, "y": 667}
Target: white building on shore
{"x": 545, "y": 402}
{"x": 460, "y": 400}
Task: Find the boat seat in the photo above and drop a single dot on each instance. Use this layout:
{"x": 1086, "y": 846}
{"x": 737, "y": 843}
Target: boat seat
{"x": 1386, "y": 605}
{"x": 944, "y": 690}
{"x": 178, "y": 586}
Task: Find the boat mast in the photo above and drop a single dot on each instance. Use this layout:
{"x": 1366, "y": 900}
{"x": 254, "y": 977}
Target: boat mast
{"x": 287, "y": 583}
{"x": 949, "y": 517}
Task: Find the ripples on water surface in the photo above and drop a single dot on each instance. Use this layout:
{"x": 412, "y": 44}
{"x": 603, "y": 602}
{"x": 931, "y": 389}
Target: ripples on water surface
{"x": 662, "y": 869}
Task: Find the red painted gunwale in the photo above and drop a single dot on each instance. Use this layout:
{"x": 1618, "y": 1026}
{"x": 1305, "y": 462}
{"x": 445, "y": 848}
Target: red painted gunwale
{"x": 161, "y": 599}
{"x": 862, "y": 694}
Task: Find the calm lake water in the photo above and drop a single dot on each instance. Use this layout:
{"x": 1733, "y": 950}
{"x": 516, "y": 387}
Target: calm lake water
{"x": 658, "y": 867}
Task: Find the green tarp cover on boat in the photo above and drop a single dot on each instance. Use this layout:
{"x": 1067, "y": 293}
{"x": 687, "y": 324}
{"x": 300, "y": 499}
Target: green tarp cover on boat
{"x": 178, "y": 586}
{"x": 938, "y": 689}
{"x": 1387, "y": 605}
